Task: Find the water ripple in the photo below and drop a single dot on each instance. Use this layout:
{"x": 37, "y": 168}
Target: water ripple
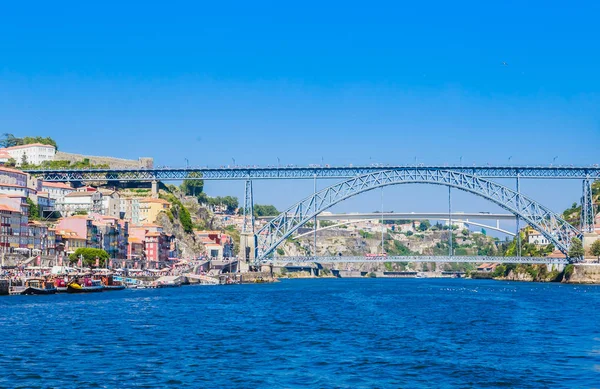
{"x": 307, "y": 333}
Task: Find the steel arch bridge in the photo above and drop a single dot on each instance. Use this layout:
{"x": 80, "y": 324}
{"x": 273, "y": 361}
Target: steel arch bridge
{"x": 550, "y": 225}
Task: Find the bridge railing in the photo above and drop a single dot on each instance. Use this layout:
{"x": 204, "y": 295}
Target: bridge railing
{"x": 416, "y": 258}
{"x": 307, "y": 172}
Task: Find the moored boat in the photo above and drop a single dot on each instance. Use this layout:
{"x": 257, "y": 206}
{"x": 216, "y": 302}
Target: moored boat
{"x": 110, "y": 284}
{"x": 38, "y": 286}
{"x": 87, "y": 286}
{"x": 61, "y": 285}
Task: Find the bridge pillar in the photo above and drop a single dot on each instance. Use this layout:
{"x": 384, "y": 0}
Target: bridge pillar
{"x": 248, "y": 226}
{"x": 587, "y": 207}
{"x": 247, "y": 250}
{"x": 155, "y": 189}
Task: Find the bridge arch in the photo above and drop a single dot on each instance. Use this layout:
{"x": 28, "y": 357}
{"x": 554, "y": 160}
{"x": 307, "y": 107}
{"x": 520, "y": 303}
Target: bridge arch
{"x": 549, "y": 224}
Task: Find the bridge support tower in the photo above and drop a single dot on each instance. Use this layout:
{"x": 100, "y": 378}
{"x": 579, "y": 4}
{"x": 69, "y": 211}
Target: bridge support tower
{"x": 247, "y": 238}
{"x": 587, "y": 207}
{"x": 155, "y": 189}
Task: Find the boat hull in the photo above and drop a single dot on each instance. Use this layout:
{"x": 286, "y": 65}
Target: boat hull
{"x": 38, "y": 291}
{"x": 167, "y": 285}
{"x": 109, "y": 288}
{"x": 84, "y": 289}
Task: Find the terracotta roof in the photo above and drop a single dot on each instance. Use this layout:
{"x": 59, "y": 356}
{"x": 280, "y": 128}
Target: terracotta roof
{"x": 29, "y": 145}
{"x": 133, "y": 239}
{"x": 151, "y": 200}
{"x": 18, "y": 197}
{"x": 7, "y": 169}
{"x": 557, "y": 254}
{"x": 69, "y": 234}
{"x": 57, "y": 185}
{"x": 80, "y": 194}
{"x": 4, "y": 207}
{"x": 12, "y": 185}
{"x": 4, "y": 154}
{"x": 153, "y": 234}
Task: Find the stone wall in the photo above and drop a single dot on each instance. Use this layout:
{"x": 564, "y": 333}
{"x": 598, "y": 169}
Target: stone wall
{"x": 585, "y": 274}
{"x": 116, "y": 163}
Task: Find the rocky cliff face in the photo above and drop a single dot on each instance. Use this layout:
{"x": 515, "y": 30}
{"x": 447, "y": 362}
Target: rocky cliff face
{"x": 532, "y": 273}
{"x": 186, "y": 243}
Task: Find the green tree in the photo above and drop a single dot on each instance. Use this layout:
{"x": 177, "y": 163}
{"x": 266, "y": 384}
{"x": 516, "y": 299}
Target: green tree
{"x": 231, "y": 203}
{"x": 192, "y": 187}
{"x": 89, "y": 256}
{"x": 326, "y": 223}
{"x": 39, "y": 139}
{"x": 265, "y": 210}
{"x": 34, "y": 210}
{"x": 9, "y": 140}
{"x": 576, "y": 249}
{"x": 185, "y": 218}
{"x": 11, "y": 162}
{"x": 595, "y": 249}
{"x": 235, "y": 236}
{"x": 424, "y": 225}
{"x": 181, "y": 211}
{"x": 203, "y": 198}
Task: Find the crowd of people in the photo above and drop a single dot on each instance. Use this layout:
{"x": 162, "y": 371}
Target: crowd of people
{"x": 19, "y": 274}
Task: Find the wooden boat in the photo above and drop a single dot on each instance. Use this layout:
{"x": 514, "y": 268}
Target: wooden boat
{"x": 110, "y": 284}
{"x": 61, "y": 285}
{"x": 87, "y": 286}
{"x": 38, "y": 286}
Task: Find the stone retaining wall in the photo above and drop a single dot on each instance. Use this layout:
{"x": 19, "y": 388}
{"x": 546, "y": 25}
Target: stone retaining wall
{"x": 116, "y": 163}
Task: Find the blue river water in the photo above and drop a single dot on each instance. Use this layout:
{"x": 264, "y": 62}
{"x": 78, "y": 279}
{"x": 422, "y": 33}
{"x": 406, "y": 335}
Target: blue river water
{"x": 344, "y": 333}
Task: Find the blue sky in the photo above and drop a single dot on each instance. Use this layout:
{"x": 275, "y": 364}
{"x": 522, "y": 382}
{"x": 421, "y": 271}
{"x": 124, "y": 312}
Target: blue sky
{"x": 346, "y": 82}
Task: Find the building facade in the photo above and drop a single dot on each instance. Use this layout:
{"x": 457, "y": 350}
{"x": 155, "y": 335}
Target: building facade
{"x": 34, "y": 153}
{"x": 150, "y": 209}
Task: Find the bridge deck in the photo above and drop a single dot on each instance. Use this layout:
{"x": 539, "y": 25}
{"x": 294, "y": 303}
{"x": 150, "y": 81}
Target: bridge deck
{"x": 417, "y": 258}
{"x": 297, "y": 172}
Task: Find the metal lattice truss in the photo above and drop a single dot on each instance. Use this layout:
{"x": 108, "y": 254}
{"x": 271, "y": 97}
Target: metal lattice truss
{"x": 253, "y": 173}
{"x": 417, "y": 258}
{"x": 549, "y": 224}
{"x": 248, "y": 226}
{"x": 587, "y": 207}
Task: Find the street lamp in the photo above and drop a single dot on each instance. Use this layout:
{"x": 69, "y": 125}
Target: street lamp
{"x": 233, "y": 159}
{"x": 187, "y": 162}
{"x": 554, "y": 159}
{"x": 278, "y": 162}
